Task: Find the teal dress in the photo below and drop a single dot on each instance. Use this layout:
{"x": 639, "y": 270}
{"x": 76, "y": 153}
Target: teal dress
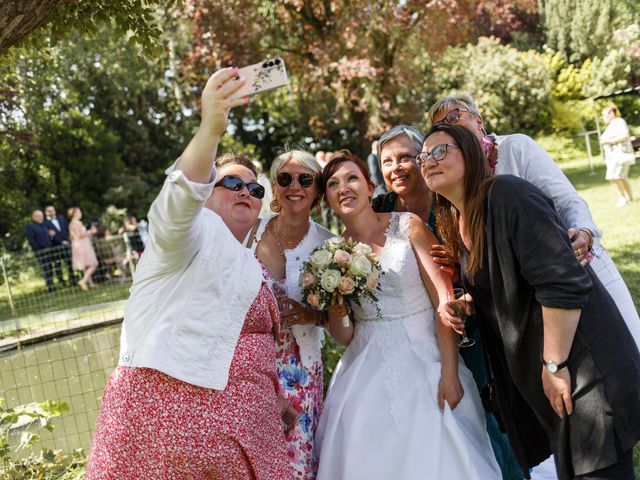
{"x": 475, "y": 360}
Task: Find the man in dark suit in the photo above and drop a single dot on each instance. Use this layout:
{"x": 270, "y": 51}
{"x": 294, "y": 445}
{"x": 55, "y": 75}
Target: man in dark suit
{"x": 62, "y": 249}
{"x": 39, "y": 237}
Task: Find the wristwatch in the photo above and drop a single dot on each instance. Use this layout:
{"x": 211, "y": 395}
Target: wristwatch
{"x": 554, "y": 366}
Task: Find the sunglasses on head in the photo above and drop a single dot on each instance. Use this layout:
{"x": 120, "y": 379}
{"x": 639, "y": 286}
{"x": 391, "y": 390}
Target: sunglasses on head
{"x": 305, "y": 180}
{"x": 438, "y": 153}
{"x": 231, "y": 182}
{"x": 452, "y": 117}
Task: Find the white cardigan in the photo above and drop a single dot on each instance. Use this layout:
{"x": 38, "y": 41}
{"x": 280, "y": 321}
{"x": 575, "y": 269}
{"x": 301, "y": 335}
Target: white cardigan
{"x": 192, "y": 289}
{"x": 308, "y": 337}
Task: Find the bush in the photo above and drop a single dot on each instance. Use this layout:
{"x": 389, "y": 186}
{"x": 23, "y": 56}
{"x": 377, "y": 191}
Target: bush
{"x": 512, "y": 88}
{"x": 48, "y": 464}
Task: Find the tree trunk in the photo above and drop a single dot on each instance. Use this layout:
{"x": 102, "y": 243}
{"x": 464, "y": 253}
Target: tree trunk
{"x": 21, "y": 17}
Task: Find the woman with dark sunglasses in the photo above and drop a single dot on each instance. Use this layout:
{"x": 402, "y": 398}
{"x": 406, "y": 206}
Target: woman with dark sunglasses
{"x": 566, "y": 369}
{"x": 195, "y": 391}
{"x": 283, "y": 242}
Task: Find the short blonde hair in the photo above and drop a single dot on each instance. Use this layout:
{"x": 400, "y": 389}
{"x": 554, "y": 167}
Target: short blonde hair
{"x": 448, "y": 103}
{"x": 304, "y": 158}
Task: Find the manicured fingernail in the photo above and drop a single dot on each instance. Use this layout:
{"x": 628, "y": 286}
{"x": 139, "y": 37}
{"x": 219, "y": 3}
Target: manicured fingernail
{"x": 235, "y": 69}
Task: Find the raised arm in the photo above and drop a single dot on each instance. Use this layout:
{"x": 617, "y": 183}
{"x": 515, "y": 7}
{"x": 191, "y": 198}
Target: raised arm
{"x": 173, "y": 228}
{"x": 438, "y": 283}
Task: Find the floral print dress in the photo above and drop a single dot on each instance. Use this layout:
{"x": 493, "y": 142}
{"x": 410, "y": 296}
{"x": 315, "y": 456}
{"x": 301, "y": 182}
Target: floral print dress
{"x": 303, "y": 388}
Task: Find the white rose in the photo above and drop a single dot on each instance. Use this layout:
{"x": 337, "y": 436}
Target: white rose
{"x": 330, "y": 280}
{"x": 321, "y": 258}
{"x": 360, "y": 266}
{"x": 362, "y": 249}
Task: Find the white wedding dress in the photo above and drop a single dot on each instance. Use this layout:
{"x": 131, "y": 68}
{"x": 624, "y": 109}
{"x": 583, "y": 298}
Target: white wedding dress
{"x": 381, "y": 418}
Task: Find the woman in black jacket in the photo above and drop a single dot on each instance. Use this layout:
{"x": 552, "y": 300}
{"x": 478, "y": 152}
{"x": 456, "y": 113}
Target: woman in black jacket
{"x": 567, "y": 372}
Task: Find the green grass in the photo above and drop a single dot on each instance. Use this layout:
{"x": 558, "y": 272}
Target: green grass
{"x": 36, "y": 308}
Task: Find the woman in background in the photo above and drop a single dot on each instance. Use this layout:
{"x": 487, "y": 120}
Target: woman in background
{"x": 83, "y": 256}
{"x": 618, "y": 152}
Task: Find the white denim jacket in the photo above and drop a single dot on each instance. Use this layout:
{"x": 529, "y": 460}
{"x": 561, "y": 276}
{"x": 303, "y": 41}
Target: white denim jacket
{"x": 308, "y": 337}
{"x": 192, "y": 289}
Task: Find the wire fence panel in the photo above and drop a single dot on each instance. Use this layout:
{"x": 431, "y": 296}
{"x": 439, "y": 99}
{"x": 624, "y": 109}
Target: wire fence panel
{"x": 58, "y": 341}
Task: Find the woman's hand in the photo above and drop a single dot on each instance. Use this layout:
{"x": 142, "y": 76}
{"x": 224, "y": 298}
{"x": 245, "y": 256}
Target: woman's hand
{"x": 288, "y": 414}
{"x": 557, "y": 388}
{"x": 197, "y": 159}
{"x": 580, "y": 243}
{"x": 449, "y": 319}
{"x": 450, "y": 390}
{"x": 217, "y": 101}
{"x": 447, "y": 264}
{"x": 296, "y": 314}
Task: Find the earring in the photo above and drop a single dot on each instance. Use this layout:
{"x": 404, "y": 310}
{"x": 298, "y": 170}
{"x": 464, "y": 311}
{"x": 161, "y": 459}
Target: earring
{"x": 275, "y": 205}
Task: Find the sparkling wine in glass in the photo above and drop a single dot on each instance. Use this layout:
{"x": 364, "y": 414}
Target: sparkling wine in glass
{"x": 456, "y": 299}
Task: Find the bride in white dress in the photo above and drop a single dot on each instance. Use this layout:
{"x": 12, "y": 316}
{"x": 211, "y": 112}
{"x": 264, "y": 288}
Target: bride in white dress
{"x": 399, "y": 405}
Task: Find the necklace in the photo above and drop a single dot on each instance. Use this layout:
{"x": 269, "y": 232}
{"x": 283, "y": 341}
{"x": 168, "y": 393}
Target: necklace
{"x": 280, "y": 236}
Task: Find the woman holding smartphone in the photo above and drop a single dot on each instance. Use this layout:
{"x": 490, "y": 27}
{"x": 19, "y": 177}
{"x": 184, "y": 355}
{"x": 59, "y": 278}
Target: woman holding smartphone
{"x": 282, "y": 243}
{"x": 195, "y": 391}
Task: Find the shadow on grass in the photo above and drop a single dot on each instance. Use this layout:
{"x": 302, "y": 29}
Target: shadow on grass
{"x": 582, "y": 178}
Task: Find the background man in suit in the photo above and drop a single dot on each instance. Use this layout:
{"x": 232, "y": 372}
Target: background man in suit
{"x": 39, "y": 237}
{"x": 62, "y": 249}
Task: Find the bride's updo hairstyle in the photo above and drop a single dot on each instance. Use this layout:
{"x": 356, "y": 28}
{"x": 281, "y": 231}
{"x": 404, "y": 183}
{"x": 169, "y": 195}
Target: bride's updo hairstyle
{"x": 343, "y": 156}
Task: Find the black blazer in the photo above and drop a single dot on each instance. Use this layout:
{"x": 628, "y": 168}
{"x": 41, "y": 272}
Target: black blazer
{"x": 62, "y": 235}
{"x": 530, "y": 264}
{"x": 38, "y": 236}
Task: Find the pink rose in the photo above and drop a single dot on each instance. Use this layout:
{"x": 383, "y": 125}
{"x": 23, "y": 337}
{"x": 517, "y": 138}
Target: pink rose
{"x": 313, "y": 299}
{"x": 308, "y": 279}
{"x": 372, "y": 282}
{"x": 347, "y": 286}
{"x": 341, "y": 257}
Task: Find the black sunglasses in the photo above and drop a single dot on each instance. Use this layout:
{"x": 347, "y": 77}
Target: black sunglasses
{"x": 305, "y": 180}
{"x": 231, "y": 182}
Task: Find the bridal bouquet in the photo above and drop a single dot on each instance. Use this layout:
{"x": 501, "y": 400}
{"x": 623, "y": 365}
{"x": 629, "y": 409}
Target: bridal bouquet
{"x": 339, "y": 271}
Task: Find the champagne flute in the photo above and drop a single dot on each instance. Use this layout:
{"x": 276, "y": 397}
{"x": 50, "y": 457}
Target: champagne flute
{"x": 279, "y": 289}
{"x": 456, "y": 299}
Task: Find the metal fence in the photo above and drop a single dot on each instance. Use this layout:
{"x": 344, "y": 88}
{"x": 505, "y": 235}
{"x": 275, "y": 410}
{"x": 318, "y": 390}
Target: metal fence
{"x": 58, "y": 341}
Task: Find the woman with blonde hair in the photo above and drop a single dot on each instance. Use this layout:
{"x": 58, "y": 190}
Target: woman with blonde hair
{"x": 283, "y": 242}
{"x": 83, "y": 256}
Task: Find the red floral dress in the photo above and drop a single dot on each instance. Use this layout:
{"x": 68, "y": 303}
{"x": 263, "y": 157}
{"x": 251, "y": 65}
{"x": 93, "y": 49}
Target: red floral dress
{"x": 153, "y": 426}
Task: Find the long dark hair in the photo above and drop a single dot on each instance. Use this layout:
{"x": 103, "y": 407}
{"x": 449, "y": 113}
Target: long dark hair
{"x": 476, "y": 183}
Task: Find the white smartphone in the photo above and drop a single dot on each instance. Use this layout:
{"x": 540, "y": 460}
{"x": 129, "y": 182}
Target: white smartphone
{"x": 262, "y": 77}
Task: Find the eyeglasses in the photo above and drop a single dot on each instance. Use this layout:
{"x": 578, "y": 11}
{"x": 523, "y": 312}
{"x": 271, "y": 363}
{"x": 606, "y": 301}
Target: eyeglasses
{"x": 452, "y": 117}
{"x": 231, "y": 182}
{"x": 438, "y": 153}
{"x": 305, "y": 180}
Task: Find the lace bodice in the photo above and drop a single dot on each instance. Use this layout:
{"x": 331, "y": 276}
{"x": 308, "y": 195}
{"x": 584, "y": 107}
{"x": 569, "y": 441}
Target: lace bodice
{"x": 402, "y": 292}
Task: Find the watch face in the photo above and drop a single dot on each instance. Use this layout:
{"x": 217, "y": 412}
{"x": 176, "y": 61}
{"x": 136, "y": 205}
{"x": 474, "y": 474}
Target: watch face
{"x": 552, "y": 366}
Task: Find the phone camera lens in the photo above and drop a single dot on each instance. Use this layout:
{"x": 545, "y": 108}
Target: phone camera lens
{"x": 265, "y": 65}
{"x": 271, "y": 63}
{"x": 277, "y": 61}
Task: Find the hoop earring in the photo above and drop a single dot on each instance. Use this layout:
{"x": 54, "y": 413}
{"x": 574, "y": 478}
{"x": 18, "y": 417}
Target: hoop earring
{"x": 275, "y": 205}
